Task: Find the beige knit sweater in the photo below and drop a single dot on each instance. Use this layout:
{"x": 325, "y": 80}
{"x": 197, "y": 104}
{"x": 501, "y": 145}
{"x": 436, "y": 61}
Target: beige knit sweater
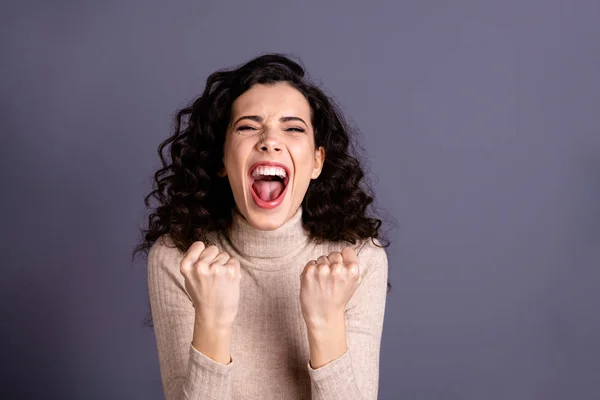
{"x": 270, "y": 352}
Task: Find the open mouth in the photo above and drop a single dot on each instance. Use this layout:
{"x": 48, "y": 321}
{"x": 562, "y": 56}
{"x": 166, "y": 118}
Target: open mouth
{"x": 268, "y": 184}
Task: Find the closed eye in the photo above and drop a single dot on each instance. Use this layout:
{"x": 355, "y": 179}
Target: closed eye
{"x": 248, "y": 127}
{"x": 245, "y": 128}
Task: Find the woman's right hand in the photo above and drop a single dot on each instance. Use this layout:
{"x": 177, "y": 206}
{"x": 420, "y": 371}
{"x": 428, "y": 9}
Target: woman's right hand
{"x": 212, "y": 279}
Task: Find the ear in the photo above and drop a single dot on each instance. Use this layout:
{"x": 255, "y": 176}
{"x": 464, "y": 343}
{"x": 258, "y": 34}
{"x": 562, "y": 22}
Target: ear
{"x": 319, "y": 161}
{"x": 222, "y": 172}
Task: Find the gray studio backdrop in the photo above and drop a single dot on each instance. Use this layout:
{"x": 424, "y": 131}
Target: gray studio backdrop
{"x": 481, "y": 122}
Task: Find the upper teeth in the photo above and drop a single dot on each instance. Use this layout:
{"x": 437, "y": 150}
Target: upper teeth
{"x": 260, "y": 170}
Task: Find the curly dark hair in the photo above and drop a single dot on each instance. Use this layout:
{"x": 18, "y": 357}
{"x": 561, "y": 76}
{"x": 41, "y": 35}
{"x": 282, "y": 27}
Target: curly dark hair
{"x": 193, "y": 200}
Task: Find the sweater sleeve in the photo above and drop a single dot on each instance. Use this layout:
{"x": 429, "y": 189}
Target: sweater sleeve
{"x": 355, "y": 374}
{"x": 185, "y": 372}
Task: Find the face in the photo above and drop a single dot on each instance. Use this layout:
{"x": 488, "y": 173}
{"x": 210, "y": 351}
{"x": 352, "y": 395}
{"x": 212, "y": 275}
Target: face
{"x": 269, "y": 155}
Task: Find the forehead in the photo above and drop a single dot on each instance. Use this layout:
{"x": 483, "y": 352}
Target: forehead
{"x": 280, "y": 99}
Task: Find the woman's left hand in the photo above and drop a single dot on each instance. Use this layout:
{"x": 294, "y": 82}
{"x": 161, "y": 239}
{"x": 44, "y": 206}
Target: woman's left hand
{"x": 326, "y": 286}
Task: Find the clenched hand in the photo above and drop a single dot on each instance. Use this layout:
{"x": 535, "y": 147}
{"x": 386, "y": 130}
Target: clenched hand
{"x": 326, "y": 286}
{"x": 212, "y": 278}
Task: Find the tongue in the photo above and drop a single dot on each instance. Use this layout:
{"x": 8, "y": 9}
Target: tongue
{"x": 268, "y": 190}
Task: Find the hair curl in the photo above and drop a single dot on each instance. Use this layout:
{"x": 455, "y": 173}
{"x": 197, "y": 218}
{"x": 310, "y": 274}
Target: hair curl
{"x": 193, "y": 200}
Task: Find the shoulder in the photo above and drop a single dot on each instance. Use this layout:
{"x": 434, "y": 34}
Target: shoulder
{"x": 165, "y": 281}
{"x": 162, "y": 246}
{"x": 372, "y": 257}
{"x": 165, "y": 251}
{"x": 373, "y": 265}
{"x": 372, "y": 250}
{"x": 164, "y": 254}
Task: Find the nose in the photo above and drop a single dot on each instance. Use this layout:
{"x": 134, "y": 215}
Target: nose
{"x": 269, "y": 141}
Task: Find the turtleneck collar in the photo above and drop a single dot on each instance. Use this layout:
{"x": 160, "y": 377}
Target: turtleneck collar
{"x": 258, "y": 245}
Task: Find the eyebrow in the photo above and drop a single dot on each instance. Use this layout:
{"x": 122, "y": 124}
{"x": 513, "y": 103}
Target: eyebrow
{"x": 258, "y": 118}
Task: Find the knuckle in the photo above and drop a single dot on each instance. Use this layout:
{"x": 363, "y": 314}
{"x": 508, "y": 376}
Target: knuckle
{"x": 310, "y": 266}
{"x": 309, "y": 270}
{"x": 201, "y": 262}
{"x": 208, "y": 253}
{"x": 324, "y": 269}
{"x": 185, "y": 268}
{"x": 337, "y": 269}
{"x": 233, "y": 263}
{"x": 217, "y": 269}
{"x": 201, "y": 267}
{"x": 233, "y": 272}
{"x": 221, "y": 258}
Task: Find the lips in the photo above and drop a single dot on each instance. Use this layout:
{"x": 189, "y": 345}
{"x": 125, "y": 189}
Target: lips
{"x": 274, "y": 202}
{"x": 269, "y": 164}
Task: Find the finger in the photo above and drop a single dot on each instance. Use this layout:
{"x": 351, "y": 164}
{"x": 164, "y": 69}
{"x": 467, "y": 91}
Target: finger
{"x": 217, "y": 269}
{"x": 233, "y": 262}
{"x": 323, "y": 260}
{"x": 351, "y": 263}
{"x": 191, "y": 255}
{"x": 208, "y": 254}
{"x": 353, "y": 270}
{"x": 349, "y": 255}
{"x": 221, "y": 258}
{"x": 309, "y": 267}
{"x": 335, "y": 257}
{"x": 337, "y": 269}
{"x": 233, "y": 267}
{"x": 324, "y": 270}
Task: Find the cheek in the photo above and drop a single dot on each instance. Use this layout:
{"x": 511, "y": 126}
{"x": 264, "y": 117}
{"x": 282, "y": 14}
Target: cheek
{"x": 234, "y": 155}
{"x": 303, "y": 156}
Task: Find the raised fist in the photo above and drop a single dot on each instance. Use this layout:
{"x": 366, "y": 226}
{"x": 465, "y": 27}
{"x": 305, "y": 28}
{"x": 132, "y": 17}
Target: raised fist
{"x": 212, "y": 279}
{"x": 326, "y": 286}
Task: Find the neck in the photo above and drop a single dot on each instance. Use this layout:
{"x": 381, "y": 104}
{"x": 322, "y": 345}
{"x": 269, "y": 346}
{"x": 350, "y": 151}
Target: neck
{"x": 254, "y": 243}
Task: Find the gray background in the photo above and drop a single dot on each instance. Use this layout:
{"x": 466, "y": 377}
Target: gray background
{"x": 480, "y": 119}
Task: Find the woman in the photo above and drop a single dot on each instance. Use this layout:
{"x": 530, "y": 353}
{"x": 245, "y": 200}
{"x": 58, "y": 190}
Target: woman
{"x": 266, "y": 277}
